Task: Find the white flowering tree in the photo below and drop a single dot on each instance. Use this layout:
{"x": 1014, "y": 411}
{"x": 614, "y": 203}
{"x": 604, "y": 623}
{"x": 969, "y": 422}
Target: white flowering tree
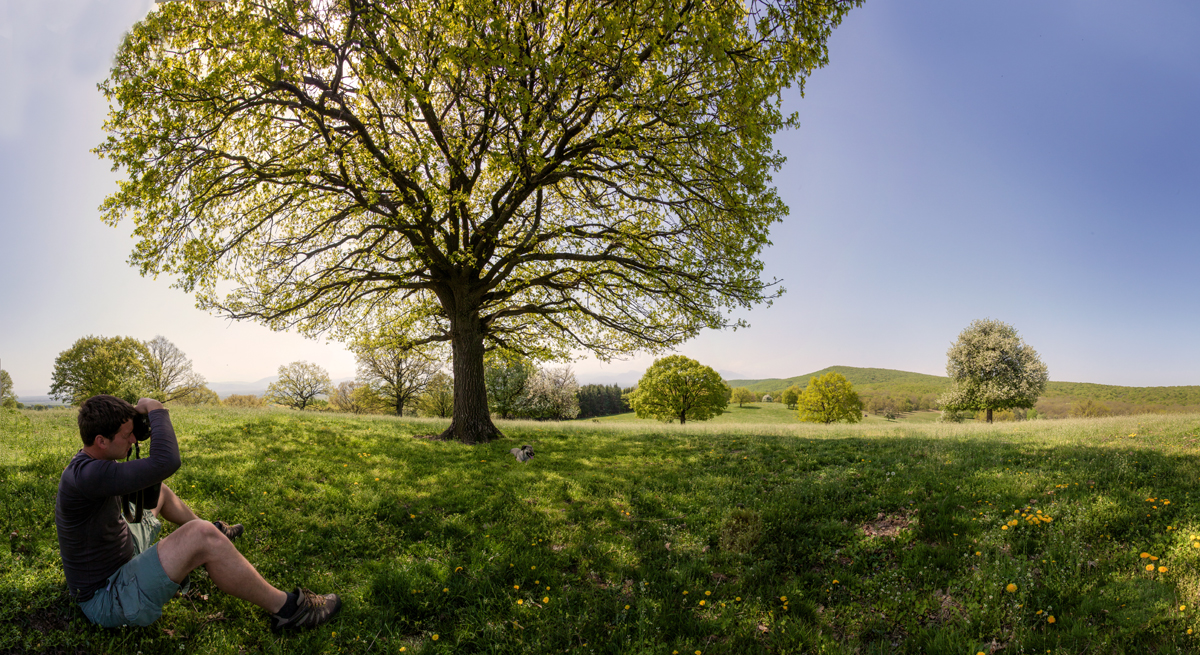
{"x": 553, "y": 393}
{"x": 992, "y": 368}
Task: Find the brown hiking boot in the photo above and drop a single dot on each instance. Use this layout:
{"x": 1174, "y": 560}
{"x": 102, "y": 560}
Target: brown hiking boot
{"x": 311, "y": 610}
{"x": 231, "y": 531}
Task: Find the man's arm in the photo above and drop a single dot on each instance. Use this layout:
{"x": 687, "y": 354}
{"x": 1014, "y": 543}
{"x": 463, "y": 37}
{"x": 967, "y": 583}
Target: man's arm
{"x": 107, "y": 478}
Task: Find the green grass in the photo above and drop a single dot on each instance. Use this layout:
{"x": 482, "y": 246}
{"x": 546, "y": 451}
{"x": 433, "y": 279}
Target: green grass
{"x": 882, "y": 537}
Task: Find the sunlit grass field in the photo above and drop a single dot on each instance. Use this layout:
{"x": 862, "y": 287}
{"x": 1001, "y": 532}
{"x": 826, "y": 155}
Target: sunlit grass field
{"x": 633, "y": 537}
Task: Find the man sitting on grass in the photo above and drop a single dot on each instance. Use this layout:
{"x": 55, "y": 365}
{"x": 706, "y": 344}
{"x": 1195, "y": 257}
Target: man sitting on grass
{"x": 114, "y": 570}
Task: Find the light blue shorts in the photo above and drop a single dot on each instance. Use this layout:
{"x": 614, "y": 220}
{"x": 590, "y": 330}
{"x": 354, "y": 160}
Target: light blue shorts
{"x": 136, "y": 593}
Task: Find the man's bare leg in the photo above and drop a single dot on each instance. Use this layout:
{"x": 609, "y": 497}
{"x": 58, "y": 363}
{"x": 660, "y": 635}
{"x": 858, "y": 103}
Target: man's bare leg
{"x": 200, "y": 543}
{"x": 172, "y": 507}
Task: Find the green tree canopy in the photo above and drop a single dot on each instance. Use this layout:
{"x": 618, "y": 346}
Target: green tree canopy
{"x": 992, "y": 368}
{"x": 742, "y": 395}
{"x": 829, "y": 398}
{"x": 541, "y": 177}
{"x": 507, "y": 380}
{"x": 679, "y": 388}
{"x": 8, "y": 399}
{"x": 791, "y": 395}
{"x": 96, "y": 365}
{"x": 298, "y": 384}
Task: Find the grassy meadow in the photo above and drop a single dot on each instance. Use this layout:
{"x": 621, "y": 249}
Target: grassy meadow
{"x": 639, "y": 537}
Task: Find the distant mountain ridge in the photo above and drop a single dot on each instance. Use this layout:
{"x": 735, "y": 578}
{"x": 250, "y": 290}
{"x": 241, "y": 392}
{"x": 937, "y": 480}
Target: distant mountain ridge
{"x": 895, "y": 382}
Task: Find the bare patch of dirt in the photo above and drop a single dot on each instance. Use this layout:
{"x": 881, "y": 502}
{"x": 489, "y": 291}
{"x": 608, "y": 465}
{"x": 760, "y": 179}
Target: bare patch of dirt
{"x": 889, "y": 525}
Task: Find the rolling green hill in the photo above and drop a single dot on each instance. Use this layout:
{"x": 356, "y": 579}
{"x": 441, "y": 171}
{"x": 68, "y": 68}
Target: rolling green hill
{"x": 1058, "y": 396}
{"x": 863, "y": 379}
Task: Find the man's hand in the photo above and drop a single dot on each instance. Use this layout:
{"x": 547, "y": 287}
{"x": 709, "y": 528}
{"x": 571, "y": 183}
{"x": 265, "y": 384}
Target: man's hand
{"x": 147, "y": 405}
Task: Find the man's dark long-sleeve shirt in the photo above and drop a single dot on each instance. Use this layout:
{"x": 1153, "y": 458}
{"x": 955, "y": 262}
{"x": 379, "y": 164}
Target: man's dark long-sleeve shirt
{"x": 93, "y": 538}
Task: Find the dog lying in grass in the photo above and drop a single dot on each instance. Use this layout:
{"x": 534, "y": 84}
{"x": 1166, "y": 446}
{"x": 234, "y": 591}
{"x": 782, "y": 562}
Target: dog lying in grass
{"x": 523, "y": 454}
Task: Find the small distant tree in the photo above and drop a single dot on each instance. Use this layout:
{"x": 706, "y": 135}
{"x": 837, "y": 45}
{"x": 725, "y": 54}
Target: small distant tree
{"x": 299, "y": 383}
{"x": 438, "y": 399}
{"x": 8, "y": 399}
{"x": 829, "y": 398}
{"x": 200, "y": 396}
{"x": 354, "y": 397}
{"x": 791, "y": 395}
{"x": 506, "y": 378}
{"x": 742, "y": 395}
{"x": 169, "y": 371}
{"x": 396, "y": 372}
{"x": 242, "y": 400}
{"x": 992, "y": 368}
{"x": 96, "y": 365}
{"x": 553, "y": 394}
{"x": 677, "y": 387}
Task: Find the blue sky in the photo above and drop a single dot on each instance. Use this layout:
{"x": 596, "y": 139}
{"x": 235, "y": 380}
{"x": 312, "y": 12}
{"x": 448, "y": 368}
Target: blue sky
{"x": 1034, "y": 162}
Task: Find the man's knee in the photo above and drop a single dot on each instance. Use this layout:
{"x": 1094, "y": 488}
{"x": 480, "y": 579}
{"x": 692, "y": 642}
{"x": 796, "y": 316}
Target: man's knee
{"x": 201, "y": 536}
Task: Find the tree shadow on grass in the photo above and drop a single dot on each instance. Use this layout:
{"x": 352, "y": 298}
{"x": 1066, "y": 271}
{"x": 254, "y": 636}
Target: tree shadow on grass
{"x": 451, "y": 538}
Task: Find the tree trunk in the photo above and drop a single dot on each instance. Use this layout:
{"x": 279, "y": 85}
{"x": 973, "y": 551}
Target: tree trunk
{"x": 471, "y": 422}
{"x": 989, "y": 415}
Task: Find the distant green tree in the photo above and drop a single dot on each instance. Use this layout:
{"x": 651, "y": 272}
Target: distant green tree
{"x": 742, "y": 395}
{"x": 7, "y": 397}
{"x": 677, "y": 387}
{"x": 438, "y": 399}
{"x": 396, "y": 372}
{"x": 601, "y": 400}
{"x": 506, "y": 378}
{"x": 101, "y": 365}
{"x": 992, "y": 368}
{"x": 298, "y": 384}
{"x": 829, "y": 398}
{"x": 791, "y": 395}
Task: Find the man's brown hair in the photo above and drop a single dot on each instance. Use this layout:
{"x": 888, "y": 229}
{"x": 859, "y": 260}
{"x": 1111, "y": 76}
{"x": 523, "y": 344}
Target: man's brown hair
{"x": 103, "y": 415}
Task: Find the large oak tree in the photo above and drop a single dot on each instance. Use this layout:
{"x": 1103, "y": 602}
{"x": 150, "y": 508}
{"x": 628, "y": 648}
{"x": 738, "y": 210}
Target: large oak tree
{"x": 538, "y": 176}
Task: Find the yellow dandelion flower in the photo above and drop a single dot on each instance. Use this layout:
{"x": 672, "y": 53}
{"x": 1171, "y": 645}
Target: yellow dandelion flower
{"x": 737, "y": 598}
{"x": 626, "y": 607}
{"x": 1050, "y": 619}
{"x": 685, "y": 593}
{"x": 1149, "y": 567}
{"x": 532, "y": 568}
{"x": 1011, "y": 588}
{"x": 701, "y": 603}
{"x": 708, "y": 593}
{"x": 1153, "y": 558}
{"x": 1162, "y": 569}
{"x": 784, "y": 598}
{"x": 1145, "y": 555}
{"x": 434, "y": 637}
{"x": 546, "y": 599}
{"x": 1182, "y": 607}
{"x": 977, "y": 553}
{"x": 445, "y": 589}
{"x": 1004, "y": 527}
{"x": 516, "y": 586}
{"x": 1039, "y": 612}
{"x": 1189, "y": 631}
{"x": 520, "y": 602}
